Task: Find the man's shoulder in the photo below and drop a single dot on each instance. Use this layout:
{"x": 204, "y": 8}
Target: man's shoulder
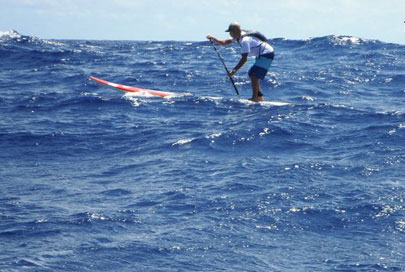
{"x": 246, "y": 39}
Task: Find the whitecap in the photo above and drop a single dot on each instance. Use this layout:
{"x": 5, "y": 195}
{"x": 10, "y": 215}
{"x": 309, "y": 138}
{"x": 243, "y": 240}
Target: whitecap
{"x": 401, "y": 225}
{"x": 183, "y": 141}
{"x": 214, "y": 135}
{"x": 11, "y": 34}
{"x": 96, "y": 216}
{"x": 267, "y": 227}
{"x": 308, "y": 98}
{"x": 138, "y": 94}
{"x": 392, "y": 131}
{"x": 264, "y": 132}
{"x": 343, "y": 40}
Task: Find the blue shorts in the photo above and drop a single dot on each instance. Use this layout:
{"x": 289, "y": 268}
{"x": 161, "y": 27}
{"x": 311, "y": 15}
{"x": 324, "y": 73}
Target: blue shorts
{"x": 261, "y": 65}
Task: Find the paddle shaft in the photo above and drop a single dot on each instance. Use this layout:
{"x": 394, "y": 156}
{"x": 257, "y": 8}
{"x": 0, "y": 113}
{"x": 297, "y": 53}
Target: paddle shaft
{"x": 226, "y": 68}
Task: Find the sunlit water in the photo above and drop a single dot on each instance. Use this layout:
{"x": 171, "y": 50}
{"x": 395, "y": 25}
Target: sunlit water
{"x": 93, "y": 179}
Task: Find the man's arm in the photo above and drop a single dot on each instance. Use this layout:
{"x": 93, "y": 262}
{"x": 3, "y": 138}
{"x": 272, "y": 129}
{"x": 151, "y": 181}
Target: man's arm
{"x": 239, "y": 65}
{"x": 219, "y": 42}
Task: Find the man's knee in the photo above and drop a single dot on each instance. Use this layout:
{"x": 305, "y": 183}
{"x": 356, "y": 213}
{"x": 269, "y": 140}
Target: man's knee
{"x": 254, "y": 78}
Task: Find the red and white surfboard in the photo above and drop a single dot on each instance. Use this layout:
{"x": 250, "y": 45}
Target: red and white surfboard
{"x": 130, "y": 88}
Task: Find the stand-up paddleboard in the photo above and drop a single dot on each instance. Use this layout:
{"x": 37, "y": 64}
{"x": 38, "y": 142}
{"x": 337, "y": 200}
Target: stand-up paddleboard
{"x": 270, "y": 103}
{"x": 130, "y": 88}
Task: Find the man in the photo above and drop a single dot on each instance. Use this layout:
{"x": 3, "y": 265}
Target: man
{"x": 250, "y": 44}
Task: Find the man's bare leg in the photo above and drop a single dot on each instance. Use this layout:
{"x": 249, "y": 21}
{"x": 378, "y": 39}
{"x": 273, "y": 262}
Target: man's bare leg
{"x": 256, "y": 89}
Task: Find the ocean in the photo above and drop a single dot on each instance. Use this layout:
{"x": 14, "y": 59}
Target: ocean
{"x": 96, "y": 179}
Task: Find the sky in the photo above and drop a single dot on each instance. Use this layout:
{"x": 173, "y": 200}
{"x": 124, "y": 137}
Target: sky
{"x": 192, "y": 20}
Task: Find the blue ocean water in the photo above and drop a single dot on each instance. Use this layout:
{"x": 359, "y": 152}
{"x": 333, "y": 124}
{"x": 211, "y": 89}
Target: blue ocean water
{"x": 93, "y": 179}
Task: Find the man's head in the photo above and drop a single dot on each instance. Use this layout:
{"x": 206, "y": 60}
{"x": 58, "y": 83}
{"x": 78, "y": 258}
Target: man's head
{"x": 234, "y": 30}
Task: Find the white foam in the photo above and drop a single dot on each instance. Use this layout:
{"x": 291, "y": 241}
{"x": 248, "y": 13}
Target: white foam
{"x": 55, "y": 43}
{"x": 264, "y": 132}
{"x": 308, "y": 98}
{"x": 214, "y": 135}
{"x": 138, "y": 94}
{"x": 342, "y": 40}
{"x": 183, "y": 141}
{"x": 11, "y": 34}
{"x": 136, "y": 101}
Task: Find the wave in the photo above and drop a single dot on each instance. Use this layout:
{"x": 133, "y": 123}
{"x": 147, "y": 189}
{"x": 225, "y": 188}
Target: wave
{"x": 334, "y": 40}
{"x": 10, "y": 34}
{"x": 16, "y": 37}
{"x": 341, "y": 40}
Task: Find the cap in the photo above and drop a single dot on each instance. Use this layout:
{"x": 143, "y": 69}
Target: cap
{"x": 233, "y": 26}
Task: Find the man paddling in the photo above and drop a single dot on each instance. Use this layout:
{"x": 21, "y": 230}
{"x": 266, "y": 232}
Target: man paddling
{"x": 251, "y": 44}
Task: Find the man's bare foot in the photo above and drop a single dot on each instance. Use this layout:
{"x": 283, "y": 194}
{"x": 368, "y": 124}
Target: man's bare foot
{"x": 256, "y": 99}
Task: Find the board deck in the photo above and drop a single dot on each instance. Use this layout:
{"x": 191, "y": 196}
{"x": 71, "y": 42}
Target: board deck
{"x": 271, "y": 103}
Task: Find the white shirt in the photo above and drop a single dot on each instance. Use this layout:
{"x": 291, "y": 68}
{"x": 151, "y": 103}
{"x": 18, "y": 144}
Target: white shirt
{"x": 254, "y": 46}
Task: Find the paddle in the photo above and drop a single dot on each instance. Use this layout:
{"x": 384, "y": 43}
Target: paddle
{"x": 226, "y": 69}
